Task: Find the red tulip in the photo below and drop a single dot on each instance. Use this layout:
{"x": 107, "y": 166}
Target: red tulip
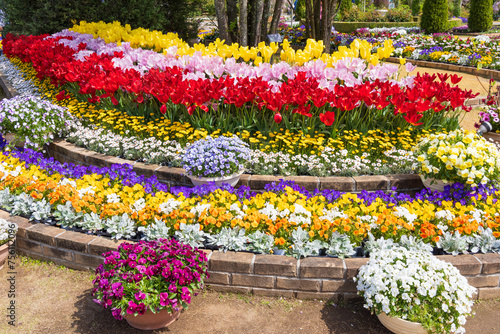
{"x": 163, "y": 109}
{"x": 278, "y": 118}
{"x": 328, "y": 118}
{"x": 455, "y": 79}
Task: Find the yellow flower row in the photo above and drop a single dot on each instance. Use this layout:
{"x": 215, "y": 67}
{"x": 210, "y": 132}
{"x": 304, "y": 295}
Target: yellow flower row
{"x": 116, "y": 33}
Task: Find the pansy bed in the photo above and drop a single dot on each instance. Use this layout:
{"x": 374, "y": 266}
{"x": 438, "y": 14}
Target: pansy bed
{"x": 321, "y": 118}
{"x": 118, "y": 203}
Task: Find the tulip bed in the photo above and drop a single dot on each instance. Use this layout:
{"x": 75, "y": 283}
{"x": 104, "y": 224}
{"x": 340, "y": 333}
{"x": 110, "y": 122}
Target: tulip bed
{"x": 337, "y": 112}
{"x": 477, "y": 51}
{"x": 117, "y": 201}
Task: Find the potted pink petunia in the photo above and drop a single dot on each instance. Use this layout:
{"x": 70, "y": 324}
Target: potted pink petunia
{"x": 150, "y": 282}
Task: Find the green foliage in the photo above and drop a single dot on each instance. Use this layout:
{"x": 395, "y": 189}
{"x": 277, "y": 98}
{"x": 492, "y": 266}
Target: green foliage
{"x": 33, "y": 17}
{"x": 372, "y": 15}
{"x": 481, "y": 15}
{"x": 49, "y": 16}
{"x": 345, "y": 5}
{"x": 416, "y": 6}
{"x": 351, "y": 15}
{"x": 434, "y": 16}
{"x": 457, "y": 9}
{"x": 300, "y": 10}
{"x": 399, "y": 14}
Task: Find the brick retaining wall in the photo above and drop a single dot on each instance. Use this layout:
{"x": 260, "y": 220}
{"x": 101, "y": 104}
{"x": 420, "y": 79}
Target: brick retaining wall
{"x": 240, "y": 272}
{"x": 64, "y": 151}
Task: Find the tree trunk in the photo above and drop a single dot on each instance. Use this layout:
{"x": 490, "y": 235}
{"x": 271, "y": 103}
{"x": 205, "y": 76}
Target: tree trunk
{"x": 266, "y": 12}
{"x": 220, "y": 11}
{"x": 244, "y": 23}
{"x": 317, "y": 18}
{"x": 310, "y": 32}
{"x": 325, "y": 31}
{"x": 232, "y": 16}
{"x": 257, "y": 21}
{"x": 276, "y": 16}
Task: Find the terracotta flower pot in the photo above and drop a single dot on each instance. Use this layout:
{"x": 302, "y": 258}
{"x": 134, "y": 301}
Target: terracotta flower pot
{"x": 151, "y": 321}
{"x": 232, "y": 180}
{"x": 400, "y": 326}
{"x": 432, "y": 184}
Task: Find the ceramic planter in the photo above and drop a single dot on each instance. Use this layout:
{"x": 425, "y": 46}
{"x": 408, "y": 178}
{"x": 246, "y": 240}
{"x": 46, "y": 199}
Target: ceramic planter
{"x": 400, "y": 326}
{"x": 152, "y": 321}
{"x": 232, "y": 180}
{"x": 432, "y": 184}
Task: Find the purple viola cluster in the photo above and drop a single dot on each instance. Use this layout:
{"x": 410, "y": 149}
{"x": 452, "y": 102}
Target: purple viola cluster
{"x": 154, "y": 275}
{"x": 123, "y": 173}
{"x": 428, "y": 51}
{"x": 216, "y": 157}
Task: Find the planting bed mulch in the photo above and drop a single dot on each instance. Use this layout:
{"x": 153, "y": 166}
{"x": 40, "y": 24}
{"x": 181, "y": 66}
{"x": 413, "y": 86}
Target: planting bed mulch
{"x": 52, "y": 299}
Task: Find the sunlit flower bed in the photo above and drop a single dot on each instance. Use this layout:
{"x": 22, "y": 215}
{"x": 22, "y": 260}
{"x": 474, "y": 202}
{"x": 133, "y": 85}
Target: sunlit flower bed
{"x": 281, "y": 153}
{"x": 353, "y": 120}
{"x": 117, "y": 202}
{"x": 314, "y": 99}
{"x": 480, "y": 51}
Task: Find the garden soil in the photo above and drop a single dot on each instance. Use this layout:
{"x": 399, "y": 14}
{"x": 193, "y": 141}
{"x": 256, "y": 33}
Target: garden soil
{"x": 56, "y": 300}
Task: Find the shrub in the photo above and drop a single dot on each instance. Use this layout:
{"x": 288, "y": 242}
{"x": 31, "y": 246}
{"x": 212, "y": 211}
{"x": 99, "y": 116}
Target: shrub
{"x": 345, "y": 5}
{"x": 351, "y": 15}
{"x": 400, "y": 14}
{"x": 457, "y": 8}
{"x": 372, "y": 15}
{"x": 481, "y": 15}
{"x": 416, "y": 5}
{"x": 35, "y": 17}
{"x": 434, "y": 16}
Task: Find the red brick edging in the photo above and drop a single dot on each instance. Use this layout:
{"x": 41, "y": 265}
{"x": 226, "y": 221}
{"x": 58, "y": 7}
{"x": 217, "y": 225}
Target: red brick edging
{"x": 267, "y": 275}
{"x": 64, "y": 151}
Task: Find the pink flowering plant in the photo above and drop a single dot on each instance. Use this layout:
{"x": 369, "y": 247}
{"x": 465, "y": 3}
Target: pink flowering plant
{"x": 155, "y": 275}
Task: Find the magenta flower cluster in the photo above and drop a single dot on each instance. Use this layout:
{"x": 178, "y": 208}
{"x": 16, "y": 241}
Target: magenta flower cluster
{"x": 154, "y": 275}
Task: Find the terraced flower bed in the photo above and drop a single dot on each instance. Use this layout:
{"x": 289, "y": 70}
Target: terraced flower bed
{"x": 316, "y": 119}
{"x": 137, "y": 103}
{"x": 119, "y": 203}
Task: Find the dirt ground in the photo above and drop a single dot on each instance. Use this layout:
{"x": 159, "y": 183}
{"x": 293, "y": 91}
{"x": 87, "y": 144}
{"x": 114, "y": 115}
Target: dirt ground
{"x": 57, "y": 300}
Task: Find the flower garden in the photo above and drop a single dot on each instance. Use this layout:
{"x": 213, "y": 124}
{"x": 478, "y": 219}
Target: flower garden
{"x": 334, "y": 115}
{"x": 220, "y": 109}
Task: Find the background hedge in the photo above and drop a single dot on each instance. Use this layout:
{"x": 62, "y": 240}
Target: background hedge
{"x": 34, "y": 17}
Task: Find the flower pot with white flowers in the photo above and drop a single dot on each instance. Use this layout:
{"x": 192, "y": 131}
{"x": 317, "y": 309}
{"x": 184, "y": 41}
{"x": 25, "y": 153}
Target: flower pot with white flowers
{"x": 457, "y": 156}
{"x": 412, "y": 291}
{"x": 150, "y": 282}
{"x": 220, "y": 160}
